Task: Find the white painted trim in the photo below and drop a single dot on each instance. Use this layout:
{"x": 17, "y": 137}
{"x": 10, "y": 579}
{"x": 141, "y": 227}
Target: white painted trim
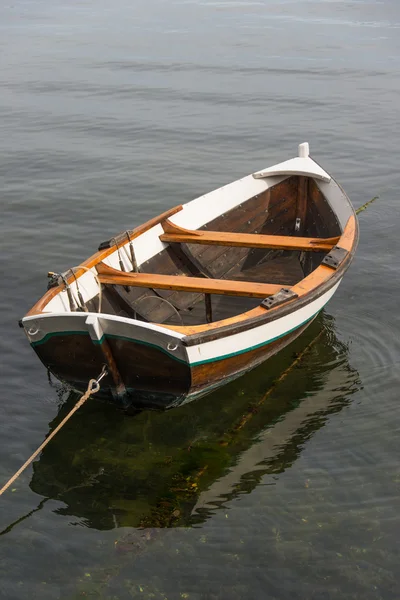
{"x": 87, "y": 286}
{"x": 94, "y": 328}
{"x": 248, "y": 339}
{"x": 204, "y": 209}
{"x": 295, "y": 166}
{"x": 338, "y": 200}
{"x": 37, "y": 327}
{"x": 50, "y": 323}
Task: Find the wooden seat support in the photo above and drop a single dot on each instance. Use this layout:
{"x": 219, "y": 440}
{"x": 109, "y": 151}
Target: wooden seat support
{"x": 186, "y": 284}
{"x": 174, "y": 233}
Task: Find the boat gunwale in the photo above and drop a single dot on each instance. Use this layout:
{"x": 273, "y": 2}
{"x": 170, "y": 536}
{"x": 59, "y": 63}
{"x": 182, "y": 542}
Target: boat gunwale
{"x": 198, "y": 334}
{"x": 96, "y": 258}
{"x": 255, "y": 317}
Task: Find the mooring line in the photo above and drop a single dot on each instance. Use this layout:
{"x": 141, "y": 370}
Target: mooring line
{"x": 93, "y": 388}
{"x": 364, "y": 206}
{"x": 247, "y": 416}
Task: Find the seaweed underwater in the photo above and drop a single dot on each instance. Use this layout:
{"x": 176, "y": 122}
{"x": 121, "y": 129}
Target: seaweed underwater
{"x": 151, "y": 473}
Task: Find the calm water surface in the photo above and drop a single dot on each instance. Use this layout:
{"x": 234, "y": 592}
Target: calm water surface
{"x": 270, "y": 488}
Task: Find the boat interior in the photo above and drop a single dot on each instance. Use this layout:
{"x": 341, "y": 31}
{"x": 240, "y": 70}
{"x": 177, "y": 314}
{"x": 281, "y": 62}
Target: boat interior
{"x": 270, "y": 241}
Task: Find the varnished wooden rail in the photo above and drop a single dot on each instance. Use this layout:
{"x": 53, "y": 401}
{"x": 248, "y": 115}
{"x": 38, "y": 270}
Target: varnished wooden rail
{"x": 174, "y": 233}
{"x": 131, "y": 234}
{"x": 186, "y": 284}
{"x": 100, "y": 255}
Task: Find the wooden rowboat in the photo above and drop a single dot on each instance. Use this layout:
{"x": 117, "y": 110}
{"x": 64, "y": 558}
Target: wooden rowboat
{"x": 202, "y": 293}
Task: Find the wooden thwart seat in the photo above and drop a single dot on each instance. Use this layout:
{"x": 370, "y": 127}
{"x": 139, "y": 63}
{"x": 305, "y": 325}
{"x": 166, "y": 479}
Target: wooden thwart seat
{"x": 186, "y": 284}
{"x": 175, "y": 234}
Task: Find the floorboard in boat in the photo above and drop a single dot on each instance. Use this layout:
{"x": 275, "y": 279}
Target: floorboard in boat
{"x": 281, "y": 269}
{"x": 223, "y": 307}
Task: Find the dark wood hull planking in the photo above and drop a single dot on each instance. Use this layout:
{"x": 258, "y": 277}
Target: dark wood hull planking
{"x": 151, "y": 378}
{"x": 214, "y": 374}
{"x": 73, "y": 359}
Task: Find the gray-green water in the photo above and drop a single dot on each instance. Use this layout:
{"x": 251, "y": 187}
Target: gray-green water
{"x": 109, "y": 114}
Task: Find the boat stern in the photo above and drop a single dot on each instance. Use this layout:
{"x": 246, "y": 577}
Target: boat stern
{"x": 147, "y": 365}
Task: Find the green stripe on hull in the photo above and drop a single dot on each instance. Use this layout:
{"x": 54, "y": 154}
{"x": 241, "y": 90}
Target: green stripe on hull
{"x": 260, "y": 345}
{"x": 56, "y": 334}
{"x": 107, "y": 337}
{"x": 200, "y": 362}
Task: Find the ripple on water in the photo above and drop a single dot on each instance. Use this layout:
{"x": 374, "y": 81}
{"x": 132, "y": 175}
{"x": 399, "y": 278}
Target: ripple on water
{"x": 114, "y": 112}
{"x": 376, "y": 343}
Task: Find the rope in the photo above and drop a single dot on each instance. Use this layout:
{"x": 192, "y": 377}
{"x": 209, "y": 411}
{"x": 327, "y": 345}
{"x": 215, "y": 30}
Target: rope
{"x": 93, "y": 388}
{"x": 247, "y": 416}
{"x": 97, "y": 281}
{"x": 82, "y": 305}
{"x": 364, "y": 206}
{"x": 72, "y": 301}
{"x": 132, "y": 250}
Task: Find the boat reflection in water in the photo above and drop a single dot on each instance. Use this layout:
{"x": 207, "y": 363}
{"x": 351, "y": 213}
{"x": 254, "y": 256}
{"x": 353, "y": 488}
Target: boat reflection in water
{"x": 168, "y": 469}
